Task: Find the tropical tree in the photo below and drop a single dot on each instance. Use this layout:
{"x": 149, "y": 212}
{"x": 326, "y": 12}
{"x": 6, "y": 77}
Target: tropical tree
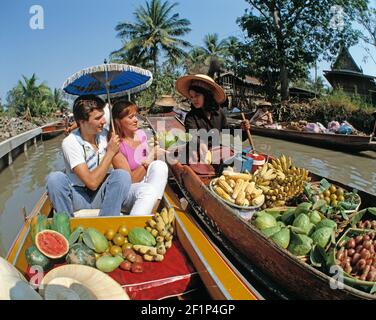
{"x": 57, "y": 101}
{"x": 194, "y": 61}
{"x": 286, "y": 37}
{"x": 366, "y": 18}
{"x": 30, "y": 99}
{"x": 156, "y": 30}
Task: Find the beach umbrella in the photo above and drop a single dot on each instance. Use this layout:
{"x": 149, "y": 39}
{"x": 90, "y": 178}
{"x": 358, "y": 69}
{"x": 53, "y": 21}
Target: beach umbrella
{"x": 109, "y": 80}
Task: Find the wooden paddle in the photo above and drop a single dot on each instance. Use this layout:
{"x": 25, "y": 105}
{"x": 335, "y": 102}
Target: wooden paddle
{"x": 249, "y": 136}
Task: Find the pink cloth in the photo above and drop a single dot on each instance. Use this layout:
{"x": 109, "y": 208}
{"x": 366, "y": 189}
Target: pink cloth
{"x": 137, "y": 155}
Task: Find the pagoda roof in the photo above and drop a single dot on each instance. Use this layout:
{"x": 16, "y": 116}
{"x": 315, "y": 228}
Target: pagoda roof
{"x": 346, "y": 62}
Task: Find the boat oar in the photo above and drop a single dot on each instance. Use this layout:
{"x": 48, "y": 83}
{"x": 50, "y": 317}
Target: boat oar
{"x": 249, "y": 136}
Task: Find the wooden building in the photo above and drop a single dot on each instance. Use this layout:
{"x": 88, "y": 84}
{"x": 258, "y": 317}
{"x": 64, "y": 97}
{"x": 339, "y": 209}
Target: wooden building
{"x": 240, "y": 92}
{"x": 346, "y": 75}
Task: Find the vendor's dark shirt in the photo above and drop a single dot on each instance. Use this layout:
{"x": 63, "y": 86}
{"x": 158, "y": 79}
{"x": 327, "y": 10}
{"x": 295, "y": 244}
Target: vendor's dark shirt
{"x": 197, "y": 119}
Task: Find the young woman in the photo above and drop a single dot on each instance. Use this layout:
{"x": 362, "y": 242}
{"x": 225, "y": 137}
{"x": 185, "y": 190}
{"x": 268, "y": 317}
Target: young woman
{"x": 206, "y": 96}
{"x": 149, "y": 176}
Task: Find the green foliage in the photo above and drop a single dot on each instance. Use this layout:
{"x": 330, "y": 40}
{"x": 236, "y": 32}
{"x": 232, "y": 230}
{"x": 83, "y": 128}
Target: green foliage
{"x": 335, "y": 106}
{"x": 286, "y": 37}
{"x": 30, "y": 99}
{"x": 156, "y": 29}
{"x": 163, "y": 84}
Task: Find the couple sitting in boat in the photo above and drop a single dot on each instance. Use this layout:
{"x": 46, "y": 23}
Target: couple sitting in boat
{"x": 110, "y": 172}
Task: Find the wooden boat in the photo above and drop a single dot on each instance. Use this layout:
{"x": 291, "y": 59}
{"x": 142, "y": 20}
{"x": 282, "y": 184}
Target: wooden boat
{"x": 252, "y": 249}
{"x": 52, "y": 130}
{"x": 219, "y": 279}
{"x": 350, "y": 143}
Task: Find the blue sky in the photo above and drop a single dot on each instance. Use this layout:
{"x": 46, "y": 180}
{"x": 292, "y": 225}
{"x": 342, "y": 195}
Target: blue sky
{"x": 80, "y": 33}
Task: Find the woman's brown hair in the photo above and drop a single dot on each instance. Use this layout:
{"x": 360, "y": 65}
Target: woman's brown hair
{"x": 121, "y": 109}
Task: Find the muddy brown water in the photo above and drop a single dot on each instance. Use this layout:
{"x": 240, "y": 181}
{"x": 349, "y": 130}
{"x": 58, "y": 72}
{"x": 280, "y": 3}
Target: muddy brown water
{"x": 23, "y": 183}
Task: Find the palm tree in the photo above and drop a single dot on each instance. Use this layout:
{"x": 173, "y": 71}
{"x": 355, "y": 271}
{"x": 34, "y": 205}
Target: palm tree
{"x": 32, "y": 95}
{"x": 194, "y": 61}
{"x": 57, "y": 101}
{"x": 214, "y": 48}
{"x": 156, "y": 30}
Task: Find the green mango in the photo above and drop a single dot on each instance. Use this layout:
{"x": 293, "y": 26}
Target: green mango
{"x": 282, "y": 237}
{"x": 108, "y": 264}
{"x": 95, "y": 240}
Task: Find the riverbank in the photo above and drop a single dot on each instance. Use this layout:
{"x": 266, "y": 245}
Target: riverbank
{"x": 12, "y": 126}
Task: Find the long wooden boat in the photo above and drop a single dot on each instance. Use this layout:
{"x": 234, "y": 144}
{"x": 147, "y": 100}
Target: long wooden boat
{"x": 349, "y": 143}
{"x": 252, "y": 249}
{"x": 52, "y": 130}
{"x": 219, "y": 279}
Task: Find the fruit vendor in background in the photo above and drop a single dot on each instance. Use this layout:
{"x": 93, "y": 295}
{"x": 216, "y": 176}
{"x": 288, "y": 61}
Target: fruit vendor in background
{"x": 149, "y": 175}
{"x": 262, "y": 116}
{"x": 206, "y": 96}
{"x": 88, "y": 182}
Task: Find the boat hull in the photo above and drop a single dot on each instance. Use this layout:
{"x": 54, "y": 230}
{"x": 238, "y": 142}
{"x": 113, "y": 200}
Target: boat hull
{"x": 348, "y": 143}
{"x": 298, "y": 279}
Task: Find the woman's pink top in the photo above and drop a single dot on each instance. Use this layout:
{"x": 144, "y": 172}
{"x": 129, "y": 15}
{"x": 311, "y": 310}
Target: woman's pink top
{"x": 135, "y": 156}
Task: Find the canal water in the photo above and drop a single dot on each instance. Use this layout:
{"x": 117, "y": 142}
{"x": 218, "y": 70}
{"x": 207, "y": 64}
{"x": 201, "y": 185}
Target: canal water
{"x": 23, "y": 183}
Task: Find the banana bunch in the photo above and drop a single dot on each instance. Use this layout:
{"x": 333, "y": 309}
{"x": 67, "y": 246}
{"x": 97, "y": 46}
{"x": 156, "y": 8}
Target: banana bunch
{"x": 238, "y": 188}
{"x": 161, "y": 227}
{"x": 280, "y": 181}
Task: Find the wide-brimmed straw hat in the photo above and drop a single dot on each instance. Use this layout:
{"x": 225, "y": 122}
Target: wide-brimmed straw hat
{"x": 80, "y": 282}
{"x": 261, "y": 103}
{"x": 200, "y": 80}
{"x": 166, "y": 101}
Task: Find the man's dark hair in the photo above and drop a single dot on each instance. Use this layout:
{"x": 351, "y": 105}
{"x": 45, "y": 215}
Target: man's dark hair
{"x": 83, "y": 105}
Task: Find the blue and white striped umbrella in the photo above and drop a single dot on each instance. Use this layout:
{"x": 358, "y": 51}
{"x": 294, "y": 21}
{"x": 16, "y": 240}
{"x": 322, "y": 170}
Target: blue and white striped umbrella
{"x": 108, "y": 79}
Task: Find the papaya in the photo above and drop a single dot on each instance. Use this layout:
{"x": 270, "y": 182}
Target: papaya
{"x": 61, "y": 224}
{"x": 79, "y": 253}
{"x": 38, "y": 224}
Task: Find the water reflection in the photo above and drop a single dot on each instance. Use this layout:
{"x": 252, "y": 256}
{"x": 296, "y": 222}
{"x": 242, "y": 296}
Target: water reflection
{"x": 22, "y": 185}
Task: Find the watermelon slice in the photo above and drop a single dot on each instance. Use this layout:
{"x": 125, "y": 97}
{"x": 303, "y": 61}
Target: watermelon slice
{"x": 52, "y": 244}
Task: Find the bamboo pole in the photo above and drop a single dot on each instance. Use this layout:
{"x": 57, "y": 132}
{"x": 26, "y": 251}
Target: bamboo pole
{"x": 249, "y": 136}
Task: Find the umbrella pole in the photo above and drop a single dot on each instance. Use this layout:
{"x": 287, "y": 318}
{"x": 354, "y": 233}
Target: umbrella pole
{"x": 108, "y": 98}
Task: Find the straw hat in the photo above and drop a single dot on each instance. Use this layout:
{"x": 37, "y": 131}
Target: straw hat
{"x": 79, "y": 282}
{"x": 200, "y": 80}
{"x": 260, "y": 103}
{"x": 166, "y": 101}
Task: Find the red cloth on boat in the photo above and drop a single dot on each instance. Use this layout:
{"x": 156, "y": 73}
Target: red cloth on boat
{"x": 170, "y": 277}
{"x": 173, "y": 276}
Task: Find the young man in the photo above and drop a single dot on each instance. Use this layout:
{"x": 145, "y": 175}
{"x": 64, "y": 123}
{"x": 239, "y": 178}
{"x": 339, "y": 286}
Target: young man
{"x": 88, "y": 182}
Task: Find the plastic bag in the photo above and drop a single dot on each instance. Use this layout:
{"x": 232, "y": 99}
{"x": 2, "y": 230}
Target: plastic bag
{"x": 333, "y": 126}
{"x": 312, "y": 127}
